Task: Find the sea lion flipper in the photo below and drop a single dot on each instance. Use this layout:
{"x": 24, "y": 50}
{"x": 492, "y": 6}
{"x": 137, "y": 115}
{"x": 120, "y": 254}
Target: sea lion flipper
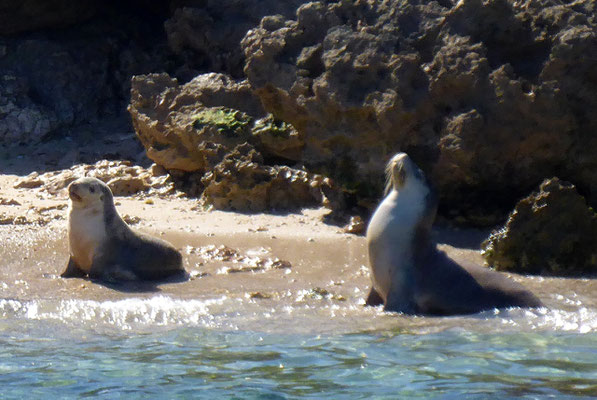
{"x": 373, "y": 299}
{"x": 399, "y": 301}
{"x": 105, "y": 268}
{"x": 117, "y": 274}
{"x": 112, "y": 274}
{"x": 72, "y": 270}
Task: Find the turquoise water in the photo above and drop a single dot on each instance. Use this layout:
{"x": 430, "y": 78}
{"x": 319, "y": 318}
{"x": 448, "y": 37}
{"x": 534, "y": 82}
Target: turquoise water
{"x": 52, "y": 359}
{"x": 210, "y": 338}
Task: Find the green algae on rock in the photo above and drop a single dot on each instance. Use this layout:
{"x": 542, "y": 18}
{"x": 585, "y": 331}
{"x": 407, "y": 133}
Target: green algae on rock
{"x": 224, "y": 153}
{"x": 225, "y": 120}
{"x": 191, "y": 127}
{"x": 551, "y": 232}
{"x": 278, "y": 138}
{"x": 273, "y": 126}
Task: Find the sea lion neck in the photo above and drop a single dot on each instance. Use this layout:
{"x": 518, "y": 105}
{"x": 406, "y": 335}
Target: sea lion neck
{"x": 109, "y": 209}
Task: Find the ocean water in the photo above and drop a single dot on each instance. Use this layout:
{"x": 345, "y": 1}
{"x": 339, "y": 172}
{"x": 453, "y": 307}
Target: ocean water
{"x": 236, "y": 331}
{"x": 164, "y": 348}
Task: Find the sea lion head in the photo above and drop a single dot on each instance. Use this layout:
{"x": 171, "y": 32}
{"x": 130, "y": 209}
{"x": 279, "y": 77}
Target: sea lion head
{"x": 402, "y": 171}
{"x": 89, "y": 192}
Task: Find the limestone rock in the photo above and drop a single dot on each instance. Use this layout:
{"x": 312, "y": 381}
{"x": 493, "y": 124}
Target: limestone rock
{"x": 123, "y": 179}
{"x": 488, "y": 97}
{"x": 355, "y": 225}
{"x": 63, "y": 94}
{"x": 276, "y": 138}
{"x": 21, "y": 119}
{"x": 551, "y": 232}
{"x": 72, "y": 77}
{"x": 206, "y": 34}
{"x": 178, "y": 127}
{"x": 191, "y": 127}
{"x": 242, "y": 183}
{"x": 31, "y": 181}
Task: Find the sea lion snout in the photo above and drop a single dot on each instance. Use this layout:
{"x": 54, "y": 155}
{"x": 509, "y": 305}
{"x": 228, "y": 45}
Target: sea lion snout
{"x": 399, "y": 174}
{"x": 398, "y": 168}
{"x": 73, "y": 192}
{"x": 87, "y": 190}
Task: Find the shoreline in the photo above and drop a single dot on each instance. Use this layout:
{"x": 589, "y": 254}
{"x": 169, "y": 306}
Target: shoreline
{"x": 286, "y": 269}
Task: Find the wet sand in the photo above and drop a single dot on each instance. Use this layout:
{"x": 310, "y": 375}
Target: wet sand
{"x": 262, "y": 272}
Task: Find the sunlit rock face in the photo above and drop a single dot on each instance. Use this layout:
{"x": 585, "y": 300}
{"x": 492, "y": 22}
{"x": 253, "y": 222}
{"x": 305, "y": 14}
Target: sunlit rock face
{"x": 241, "y": 182}
{"x": 552, "y": 232}
{"x": 225, "y": 154}
{"x": 489, "y": 97}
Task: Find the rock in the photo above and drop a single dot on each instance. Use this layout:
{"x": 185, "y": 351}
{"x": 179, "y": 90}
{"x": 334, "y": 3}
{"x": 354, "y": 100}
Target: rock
{"x": 206, "y": 34}
{"x": 8, "y": 202}
{"x": 477, "y": 92}
{"x": 123, "y": 178}
{"x": 158, "y": 170}
{"x": 74, "y": 76}
{"x": 24, "y": 15}
{"x": 242, "y": 262}
{"x": 277, "y": 139}
{"x": 259, "y": 295}
{"x": 487, "y": 96}
{"x": 130, "y": 219}
{"x": 31, "y": 181}
{"x": 551, "y": 232}
{"x": 205, "y": 147}
{"x": 178, "y": 126}
{"x": 19, "y": 220}
{"x": 125, "y": 186}
{"x": 319, "y": 293}
{"x": 242, "y": 183}
{"x": 330, "y": 76}
{"x": 21, "y": 119}
{"x": 64, "y": 95}
{"x": 355, "y": 225}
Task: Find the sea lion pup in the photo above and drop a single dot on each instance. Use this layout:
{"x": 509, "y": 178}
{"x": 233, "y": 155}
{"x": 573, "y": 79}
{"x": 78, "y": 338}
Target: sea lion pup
{"x": 104, "y": 247}
{"x": 409, "y": 274}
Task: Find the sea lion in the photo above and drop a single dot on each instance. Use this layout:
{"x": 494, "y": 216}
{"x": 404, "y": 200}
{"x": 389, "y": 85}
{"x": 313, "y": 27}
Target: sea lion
{"x": 105, "y": 248}
{"x": 409, "y": 274}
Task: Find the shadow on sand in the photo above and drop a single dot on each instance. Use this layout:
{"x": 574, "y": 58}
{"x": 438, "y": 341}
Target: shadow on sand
{"x": 141, "y": 286}
{"x": 467, "y": 238}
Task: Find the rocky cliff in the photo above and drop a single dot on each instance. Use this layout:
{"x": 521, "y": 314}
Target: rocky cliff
{"x": 489, "y": 97}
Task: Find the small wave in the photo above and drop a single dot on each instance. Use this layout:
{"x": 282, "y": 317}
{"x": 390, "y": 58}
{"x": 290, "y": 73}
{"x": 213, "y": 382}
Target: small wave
{"x": 309, "y": 312}
{"x": 582, "y": 320}
{"x": 125, "y": 314}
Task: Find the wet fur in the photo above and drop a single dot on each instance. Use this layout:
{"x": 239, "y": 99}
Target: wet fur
{"x": 104, "y": 247}
{"x": 409, "y": 274}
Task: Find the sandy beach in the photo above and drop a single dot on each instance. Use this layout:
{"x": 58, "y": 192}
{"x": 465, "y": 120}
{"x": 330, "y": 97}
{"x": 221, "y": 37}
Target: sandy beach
{"x": 271, "y": 298}
{"x": 256, "y": 262}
